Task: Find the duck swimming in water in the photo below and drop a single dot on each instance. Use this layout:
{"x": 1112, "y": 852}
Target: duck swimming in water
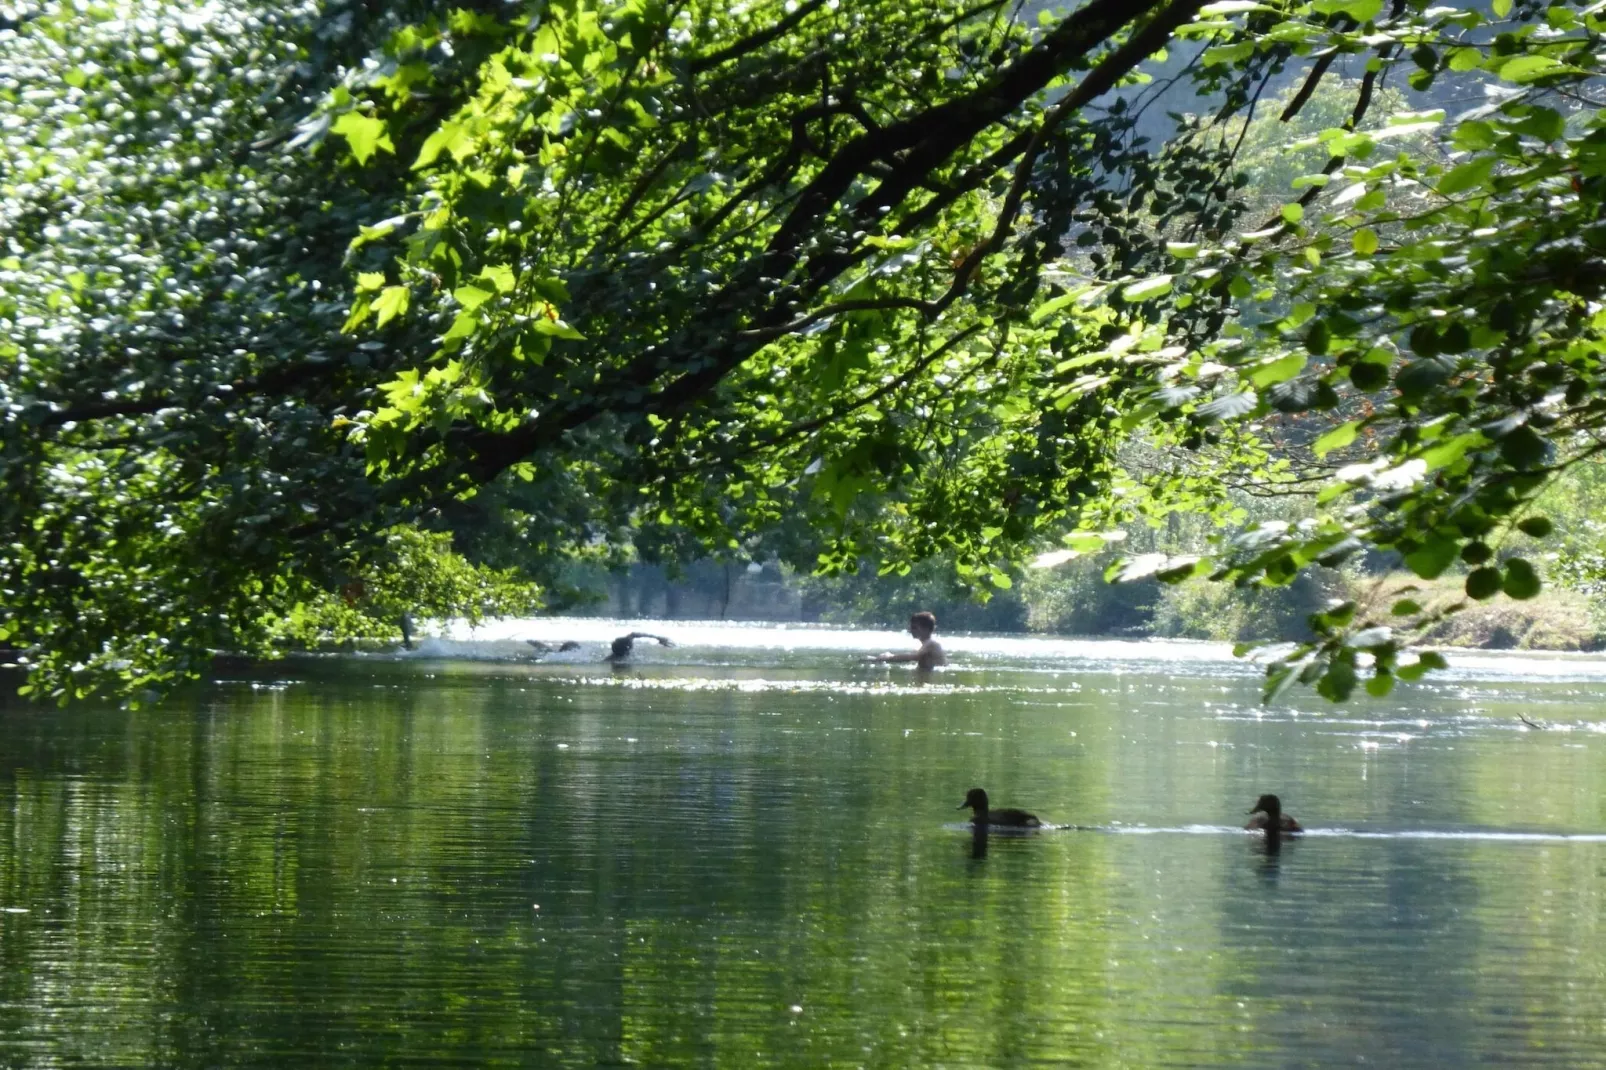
{"x": 547, "y": 648}
{"x": 1269, "y": 816}
{"x": 976, "y": 801}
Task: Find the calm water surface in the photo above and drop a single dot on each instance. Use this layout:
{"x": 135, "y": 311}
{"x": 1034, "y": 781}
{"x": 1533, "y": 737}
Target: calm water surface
{"x": 744, "y": 852}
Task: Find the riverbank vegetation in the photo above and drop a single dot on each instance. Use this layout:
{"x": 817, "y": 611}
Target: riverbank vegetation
{"x": 1075, "y": 599}
{"x": 885, "y": 286}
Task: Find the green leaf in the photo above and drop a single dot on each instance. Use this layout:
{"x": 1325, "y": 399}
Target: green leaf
{"x": 1054, "y": 304}
{"x": 1365, "y": 241}
{"x": 365, "y": 134}
{"x": 1089, "y": 542}
{"x": 1337, "y": 438}
{"x": 463, "y": 326}
{"x": 1405, "y": 607}
{"x": 1337, "y": 682}
{"x": 1466, "y": 176}
{"x": 1359, "y": 10}
{"x": 1426, "y": 661}
{"x": 1155, "y": 286}
{"x": 450, "y": 137}
{"x": 1331, "y": 620}
{"x": 1546, "y": 124}
{"x": 1483, "y": 583}
{"x": 382, "y": 229}
{"x": 1531, "y": 68}
{"x": 1319, "y": 338}
{"x": 1415, "y": 379}
{"x": 1432, "y": 557}
{"x": 471, "y": 297}
{"x": 1537, "y": 527}
{"x": 1368, "y": 375}
{"x": 391, "y": 302}
{"x": 1501, "y": 8}
{"x": 1232, "y": 53}
{"x": 556, "y": 329}
{"x": 498, "y": 275}
{"x": 1293, "y": 213}
{"x": 552, "y": 290}
{"x": 1521, "y": 581}
{"x": 1278, "y": 371}
{"x": 1525, "y": 448}
{"x": 1475, "y": 135}
{"x": 1380, "y": 685}
{"x": 1452, "y": 449}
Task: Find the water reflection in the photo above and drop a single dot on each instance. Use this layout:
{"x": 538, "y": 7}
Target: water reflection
{"x": 472, "y": 863}
{"x": 1270, "y": 853}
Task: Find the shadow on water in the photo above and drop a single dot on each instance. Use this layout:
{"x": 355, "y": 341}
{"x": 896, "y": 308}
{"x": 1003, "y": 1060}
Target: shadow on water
{"x": 1269, "y": 852}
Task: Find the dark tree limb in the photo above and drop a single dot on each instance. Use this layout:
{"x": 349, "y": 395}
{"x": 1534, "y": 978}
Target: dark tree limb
{"x": 1299, "y": 99}
{"x": 756, "y": 41}
{"x": 916, "y": 146}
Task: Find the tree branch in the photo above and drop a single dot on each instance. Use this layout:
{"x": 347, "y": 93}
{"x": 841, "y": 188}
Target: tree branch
{"x": 754, "y": 42}
{"x": 1103, "y": 78}
{"x": 917, "y": 144}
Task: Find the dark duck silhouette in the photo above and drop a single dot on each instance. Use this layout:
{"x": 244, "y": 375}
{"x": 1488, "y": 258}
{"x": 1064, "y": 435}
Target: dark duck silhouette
{"x": 547, "y": 648}
{"x": 982, "y": 815}
{"x": 1268, "y": 816}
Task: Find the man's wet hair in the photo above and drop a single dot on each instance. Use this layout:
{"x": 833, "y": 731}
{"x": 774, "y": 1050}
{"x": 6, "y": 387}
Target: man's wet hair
{"x": 924, "y": 617}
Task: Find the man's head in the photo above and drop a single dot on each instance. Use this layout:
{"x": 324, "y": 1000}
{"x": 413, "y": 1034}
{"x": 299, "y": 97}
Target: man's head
{"x": 922, "y": 624}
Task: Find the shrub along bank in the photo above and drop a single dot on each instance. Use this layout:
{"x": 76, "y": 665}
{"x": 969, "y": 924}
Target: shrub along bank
{"x": 1074, "y": 599}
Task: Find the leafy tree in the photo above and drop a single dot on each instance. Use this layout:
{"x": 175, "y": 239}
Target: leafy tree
{"x": 903, "y": 276}
{"x": 1457, "y": 298}
{"x": 418, "y": 569}
{"x": 171, "y": 297}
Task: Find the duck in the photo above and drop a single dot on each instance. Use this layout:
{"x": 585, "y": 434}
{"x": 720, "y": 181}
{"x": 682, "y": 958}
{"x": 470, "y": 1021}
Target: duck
{"x": 547, "y": 648}
{"x": 1268, "y": 815}
{"x": 976, "y": 801}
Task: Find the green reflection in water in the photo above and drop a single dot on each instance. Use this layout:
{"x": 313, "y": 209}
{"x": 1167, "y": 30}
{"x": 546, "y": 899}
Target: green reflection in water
{"x": 379, "y": 864}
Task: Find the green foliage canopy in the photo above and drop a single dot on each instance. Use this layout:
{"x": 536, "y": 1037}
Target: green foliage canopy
{"x": 172, "y": 289}
{"x": 1455, "y": 299}
{"x": 902, "y": 276}
{"x": 757, "y": 263}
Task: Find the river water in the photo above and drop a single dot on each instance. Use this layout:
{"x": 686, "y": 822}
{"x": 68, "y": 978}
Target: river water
{"x": 743, "y": 851}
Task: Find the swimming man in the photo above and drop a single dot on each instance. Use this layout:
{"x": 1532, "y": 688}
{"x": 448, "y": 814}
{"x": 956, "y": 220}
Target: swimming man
{"x": 922, "y": 625}
{"x": 623, "y": 645}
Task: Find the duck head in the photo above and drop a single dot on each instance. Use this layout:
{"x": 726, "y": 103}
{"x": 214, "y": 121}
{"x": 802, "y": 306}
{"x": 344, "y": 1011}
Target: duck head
{"x": 975, "y": 799}
{"x": 1269, "y": 805}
